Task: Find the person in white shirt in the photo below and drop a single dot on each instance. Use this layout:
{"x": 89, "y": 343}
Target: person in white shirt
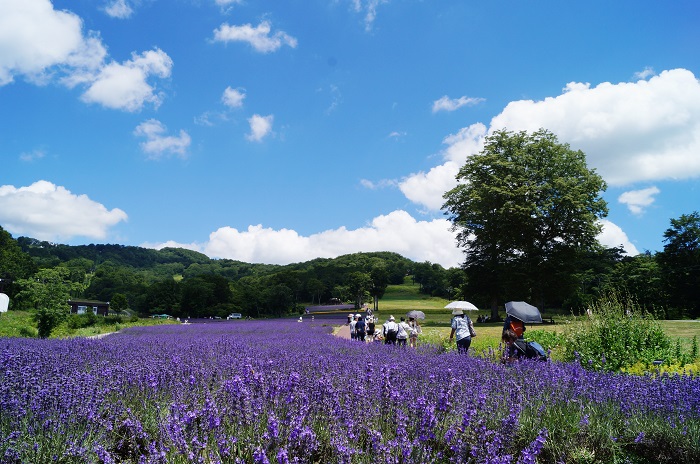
{"x": 390, "y": 329}
{"x": 463, "y": 329}
{"x": 353, "y": 322}
{"x": 402, "y": 334}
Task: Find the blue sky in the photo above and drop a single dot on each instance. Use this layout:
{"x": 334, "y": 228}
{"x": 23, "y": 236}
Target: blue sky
{"x": 282, "y": 131}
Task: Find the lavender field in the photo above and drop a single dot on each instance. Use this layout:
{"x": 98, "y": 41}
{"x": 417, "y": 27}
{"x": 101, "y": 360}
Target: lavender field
{"x": 283, "y": 392}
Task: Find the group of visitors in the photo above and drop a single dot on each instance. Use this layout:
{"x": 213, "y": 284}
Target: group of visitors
{"x": 402, "y": 333}
{"x": 405, "y": 333}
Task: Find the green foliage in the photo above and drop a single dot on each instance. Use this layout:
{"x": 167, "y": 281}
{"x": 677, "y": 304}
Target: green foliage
{"x": 617, "y": 334}
{"x": 680, "y": 263}
{"x": 525, "y": 208}
{"x": 14, "y": 264}
{"x": 79, "y": 321}
{"x": 119, "y": 302}
{"x": 48, "y": 291}
{"x": 547, "y": 338}
{"x": 28, "y": 332}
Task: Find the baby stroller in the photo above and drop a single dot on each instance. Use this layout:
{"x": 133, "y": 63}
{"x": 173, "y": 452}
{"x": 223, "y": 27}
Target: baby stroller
{"x": 530, "y": 350}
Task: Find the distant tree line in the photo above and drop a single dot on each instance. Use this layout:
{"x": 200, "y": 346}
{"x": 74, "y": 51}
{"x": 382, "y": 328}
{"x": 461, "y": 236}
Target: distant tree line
{"x": 188, "y": 284}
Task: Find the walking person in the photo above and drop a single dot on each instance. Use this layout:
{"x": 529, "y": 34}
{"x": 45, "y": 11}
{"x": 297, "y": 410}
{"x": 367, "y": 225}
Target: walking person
{"x": 462, "y": 330}
{"x": 360, "y": 329}
{"x": 402, "y": 334}
{"x": 389, "y": 330}
{"x": 370, "y": 328}
{"x": 353, "y": 322}
{"x": 414, "y": 331}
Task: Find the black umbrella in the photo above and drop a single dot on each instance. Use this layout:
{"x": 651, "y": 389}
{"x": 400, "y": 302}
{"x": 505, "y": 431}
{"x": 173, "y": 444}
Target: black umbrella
{"x": 523, "y": 311}
{"x": 415, "y": 314}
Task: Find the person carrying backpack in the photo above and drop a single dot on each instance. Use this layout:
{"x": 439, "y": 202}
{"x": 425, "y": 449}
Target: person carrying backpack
{"x": 390, "y": 329}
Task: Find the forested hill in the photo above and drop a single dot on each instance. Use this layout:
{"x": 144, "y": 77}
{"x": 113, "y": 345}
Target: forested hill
{"x": 186, "y": 283}
{"x": 188, "y": 263}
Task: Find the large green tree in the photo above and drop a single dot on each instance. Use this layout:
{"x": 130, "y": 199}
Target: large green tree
{"x": 48, "y": 291}
{"x": 524, "y": 207}
{"x": 14, "y": 263}
{"x": 680, "y": 263}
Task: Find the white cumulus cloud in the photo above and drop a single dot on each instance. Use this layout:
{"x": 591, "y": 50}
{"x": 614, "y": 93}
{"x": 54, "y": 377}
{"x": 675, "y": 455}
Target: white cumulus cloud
{"x": 631, "y": 132}
{"x": 397, "y": 231}
{"x": 35, "y": 38}
{"x": 446, "y": 103}
{"x": 158, "y": 144}
{"x": 41, "y": 44}
{"x": 260, "y": 127}
{"x": 49, "y": 212}
{"x": 638, "y": 200}
{"x": 427, "y": 188}
{"x": 125, "y": 86}
{"x": 233, "y": 98}
{"x": 613, "y": 236}
{"x": 258, "y": 37}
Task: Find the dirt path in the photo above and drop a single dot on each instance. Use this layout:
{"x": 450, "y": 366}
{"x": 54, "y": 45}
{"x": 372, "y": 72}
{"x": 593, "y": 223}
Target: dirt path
{"x": 343, "y": 332}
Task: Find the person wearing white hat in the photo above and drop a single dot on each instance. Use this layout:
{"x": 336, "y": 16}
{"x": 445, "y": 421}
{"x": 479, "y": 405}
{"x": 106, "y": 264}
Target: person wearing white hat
{"x": 390, "y": 329}
{"x": 462, "y": 329}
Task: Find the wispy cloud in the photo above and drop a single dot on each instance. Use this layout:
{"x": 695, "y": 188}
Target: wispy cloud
{"x": 158, "y": 144}
{"x": 119, "y": 9}
{"x": 32, "y": 155}
{"x": 638, "y": 200}
{"x": 645, "y": 74}
{"x": 375, "y": 185}
{"x": 259, "y": 37}
{"x": 446, "y": 103}
{"x": 369, "y": 9}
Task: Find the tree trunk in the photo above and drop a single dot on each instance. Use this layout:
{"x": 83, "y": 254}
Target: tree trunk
{"x": 494, "y": 308}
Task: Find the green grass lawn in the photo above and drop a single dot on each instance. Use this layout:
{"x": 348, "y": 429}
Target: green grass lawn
{"x": 399, "y": 299}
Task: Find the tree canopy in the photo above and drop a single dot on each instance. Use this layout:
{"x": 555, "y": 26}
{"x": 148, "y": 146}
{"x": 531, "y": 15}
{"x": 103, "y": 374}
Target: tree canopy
{"x": 523, "y": 208}
{"x": 680, "y": 262}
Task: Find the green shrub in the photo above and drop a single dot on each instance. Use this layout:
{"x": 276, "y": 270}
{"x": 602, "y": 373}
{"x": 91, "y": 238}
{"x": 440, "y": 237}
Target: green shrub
{"x": 80, "y": 321}
{"x": 617, "y": 334}
{"x": 111, "y": 320}
{"x": 547, "y": 338}
{"x": 27, "y": 332}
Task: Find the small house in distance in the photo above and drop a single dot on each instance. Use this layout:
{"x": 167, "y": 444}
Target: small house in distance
{"x": 100, "y": 308}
